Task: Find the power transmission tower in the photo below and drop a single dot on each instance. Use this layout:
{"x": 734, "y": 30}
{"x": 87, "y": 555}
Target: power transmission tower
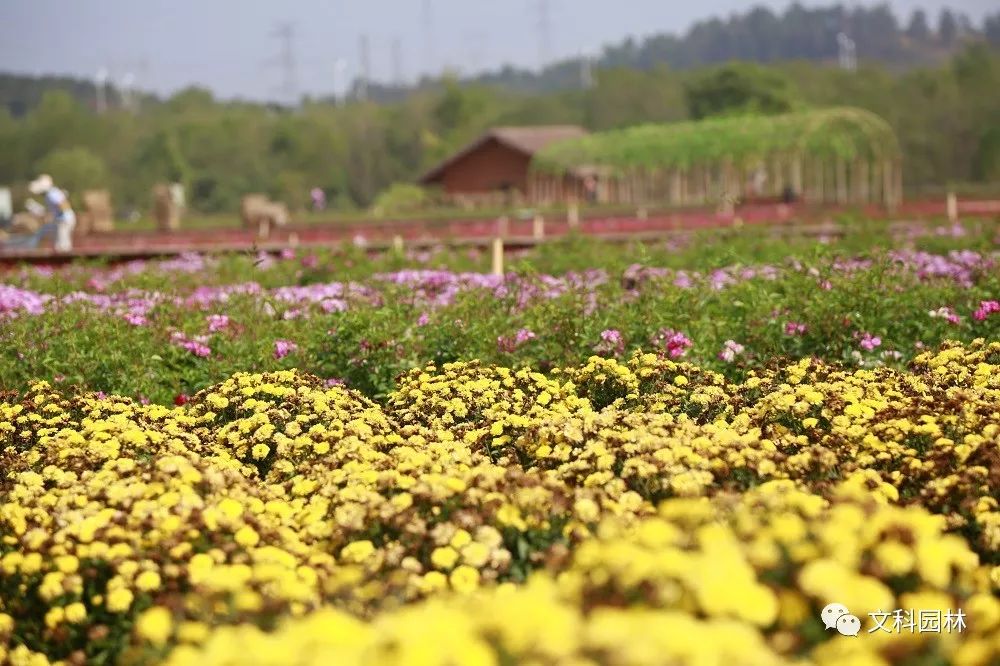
{"x": 544, "y": 33}
{"x": 339, "y": 68}
{"x": 847, "y": 52}
{"x": 427, "y": 21}
{"x": 285, "y": 33}
{"x": 476, "y": 48}
{"x": 586, "y": 71}
{"x": 128, "y": 91}
{"x": 366, "y": 67}
{"x": 101, "y": 84}
{"x": 397, "y": 62}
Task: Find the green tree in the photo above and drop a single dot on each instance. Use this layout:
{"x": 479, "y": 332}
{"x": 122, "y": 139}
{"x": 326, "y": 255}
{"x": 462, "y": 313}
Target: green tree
{"x": 947, "y": 30}
{"x": 918, "y": 29}
{"x": 738, "y": 88}
{"x": 75, "y": 169}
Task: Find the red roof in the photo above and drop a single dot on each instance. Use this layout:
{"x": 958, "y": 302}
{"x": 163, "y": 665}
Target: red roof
{"x": 527, "y": 140}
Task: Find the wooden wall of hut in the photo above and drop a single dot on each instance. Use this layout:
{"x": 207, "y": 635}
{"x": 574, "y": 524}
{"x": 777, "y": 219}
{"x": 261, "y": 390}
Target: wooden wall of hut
{"x": 815, "y": 180}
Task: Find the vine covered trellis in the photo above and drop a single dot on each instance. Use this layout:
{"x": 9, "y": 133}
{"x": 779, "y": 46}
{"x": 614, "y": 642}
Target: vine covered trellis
{"x": 836, "y": 155}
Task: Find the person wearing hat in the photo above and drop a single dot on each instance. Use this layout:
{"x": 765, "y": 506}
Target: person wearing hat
{"x": 63, "y": 217}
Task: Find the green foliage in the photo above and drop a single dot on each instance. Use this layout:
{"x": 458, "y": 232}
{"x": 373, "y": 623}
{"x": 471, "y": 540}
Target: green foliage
{"x": 401, "y": 198}
{"x": 987, "y": 159}
{"x": 841, "y": 132}
{"x": 372, "y": 341}
{"x": 292, "y": 188}
{"x": 739, "y": 88}
{"x": 75, "y": 169}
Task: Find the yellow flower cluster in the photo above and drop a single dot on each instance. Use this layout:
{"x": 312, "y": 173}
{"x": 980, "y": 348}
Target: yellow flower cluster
{"x": 637, "y": 512}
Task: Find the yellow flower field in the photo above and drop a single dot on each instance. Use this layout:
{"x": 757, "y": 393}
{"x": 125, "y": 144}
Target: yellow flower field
{"x": 637, "y": 512}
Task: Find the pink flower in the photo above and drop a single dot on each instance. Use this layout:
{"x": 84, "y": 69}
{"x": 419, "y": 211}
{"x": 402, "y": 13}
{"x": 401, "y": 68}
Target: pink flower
{"x": 612, "y": 342}
{"x": 868, "y": 341}
{"x": 523, "y": 335}
{"x": 508, "y": 344}
{"x": 310, "y": 261}
{"x": 135, "y": 318}
{"x": 947, "y": 314}
{"x": 333, "y": 381}
{"x": 287, "y": 253}
{"x": 194, "y": 345}
{"x": 199, "y": 349}
{"x": 283, "y": 348}
{"x": 795, "y": 328}
{"x": 730, "y": 350}
{"x": 675, "y": 343}
{"x": 423, "y": 319}
{"x": 986, "y": 308}
{"x": 217, "y": 322}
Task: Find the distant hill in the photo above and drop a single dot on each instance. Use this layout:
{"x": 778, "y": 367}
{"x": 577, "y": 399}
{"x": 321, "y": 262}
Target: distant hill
{"x": 758, "y": 35}
{"x": 20, "y": 93}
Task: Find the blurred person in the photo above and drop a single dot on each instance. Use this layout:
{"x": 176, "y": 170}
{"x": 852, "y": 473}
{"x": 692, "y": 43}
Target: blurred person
{"x": 590, "y": 187}
{"x": 6, "y": 208}
{"x": 63, "y": 217}
{"x": 177, "y": 196}
{"x": 758, "y": 181}
{"x": 318, "y": 199}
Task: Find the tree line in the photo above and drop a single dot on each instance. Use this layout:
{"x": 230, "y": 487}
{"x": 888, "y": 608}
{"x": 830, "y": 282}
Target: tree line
{"x": 947, "y": 116}
{"x": 760, "y": 35}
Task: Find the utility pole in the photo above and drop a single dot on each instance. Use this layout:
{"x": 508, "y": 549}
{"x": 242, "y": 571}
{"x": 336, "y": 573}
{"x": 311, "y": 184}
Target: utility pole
{"x": 285, "y": 33}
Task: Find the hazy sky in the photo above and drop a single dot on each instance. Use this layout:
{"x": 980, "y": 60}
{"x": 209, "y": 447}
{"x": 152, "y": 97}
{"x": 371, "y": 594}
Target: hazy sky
{"x": 230, "y": 46}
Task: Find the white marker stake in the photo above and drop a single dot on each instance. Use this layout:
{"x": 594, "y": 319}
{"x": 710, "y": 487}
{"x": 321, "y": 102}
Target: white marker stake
{"x": 397, "y": 244}
{"x": 538, "y": 227}
{"x": 498, "y": 256}
{"x": 952, "y": 207}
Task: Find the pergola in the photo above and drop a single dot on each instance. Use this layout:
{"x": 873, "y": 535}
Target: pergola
{"x": 835, "y": 155}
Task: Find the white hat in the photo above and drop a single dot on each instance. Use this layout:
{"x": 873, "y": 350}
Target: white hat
{"x": 41, "y": 184}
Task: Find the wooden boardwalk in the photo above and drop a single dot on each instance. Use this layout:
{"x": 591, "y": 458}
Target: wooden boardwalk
{"x": 517, "y": 233}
